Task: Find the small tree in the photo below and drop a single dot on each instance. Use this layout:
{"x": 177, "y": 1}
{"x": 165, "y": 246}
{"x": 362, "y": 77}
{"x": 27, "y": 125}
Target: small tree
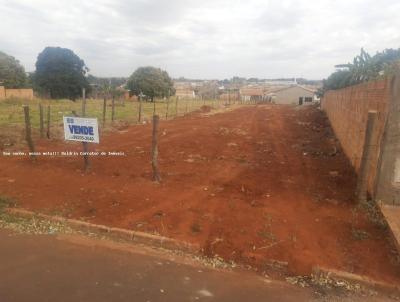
{"x": 12, "y": 73}
{"x": 152, "y": 82}
{"x": 61, "y": 73}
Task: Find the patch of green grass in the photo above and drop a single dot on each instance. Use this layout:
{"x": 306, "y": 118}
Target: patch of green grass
{"x": 32, "y": 225}
{"x": 373, "y": 213}
{"x": 11, "y": 111}
{"x": 359, "y": 234}
{"x": 6, "y": 202}
{"x": 6, "y": 218}
{"x": 266, "y": 232}
{"x": 12, "y": 116}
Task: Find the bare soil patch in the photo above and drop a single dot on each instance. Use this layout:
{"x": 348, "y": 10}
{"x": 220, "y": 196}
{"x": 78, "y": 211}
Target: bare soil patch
{"x": 249, "y": 185}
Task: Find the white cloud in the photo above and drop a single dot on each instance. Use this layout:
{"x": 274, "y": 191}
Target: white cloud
{"x": 202, "y": 39}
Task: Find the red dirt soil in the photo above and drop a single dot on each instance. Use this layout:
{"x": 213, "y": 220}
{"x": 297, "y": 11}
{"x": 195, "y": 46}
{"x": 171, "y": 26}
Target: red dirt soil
{"x": 251, "y": 184}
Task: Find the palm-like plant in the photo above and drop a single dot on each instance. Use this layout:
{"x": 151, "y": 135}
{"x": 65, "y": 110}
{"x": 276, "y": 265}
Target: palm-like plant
{"x": 364, "y": 68}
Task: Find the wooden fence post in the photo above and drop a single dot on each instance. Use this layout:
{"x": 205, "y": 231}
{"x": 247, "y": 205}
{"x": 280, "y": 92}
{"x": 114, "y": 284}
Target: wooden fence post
{"x": 176, "y": 107}
{"x": 28, "y": 132}
{"x": 154, "y": 106}
{"x": 154, "y": 150}
{"x": 41, "y": 123}
{"x": 104, "y": 109}
{"x": 166, "y": 113}
{"x": 48, "y": 122}
{"x": 86, "y": 163}
{"x": 83, "y": 102}
{"x": 113, "y": 109}
{"x": 140, "y": 111}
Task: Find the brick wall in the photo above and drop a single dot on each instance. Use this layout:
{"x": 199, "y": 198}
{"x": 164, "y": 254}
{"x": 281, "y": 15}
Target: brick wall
{"x": 347, "y": 110}
{"x": 20, "y": 93}
{"x": 2, "y": 92}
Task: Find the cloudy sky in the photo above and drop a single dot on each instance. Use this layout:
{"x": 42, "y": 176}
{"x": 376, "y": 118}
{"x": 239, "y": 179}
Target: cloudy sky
{"x": 202, "y": 38}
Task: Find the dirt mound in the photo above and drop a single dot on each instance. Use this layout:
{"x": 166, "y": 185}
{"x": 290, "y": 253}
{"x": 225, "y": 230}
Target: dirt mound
{"x": 205, "y": 108}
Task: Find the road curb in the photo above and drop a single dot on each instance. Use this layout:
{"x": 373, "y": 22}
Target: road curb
{"x": 156, "y": 241}
{"x": 115, "y": 233}
{"x": 321, "y": 273}
{"x": 390, "y": 214}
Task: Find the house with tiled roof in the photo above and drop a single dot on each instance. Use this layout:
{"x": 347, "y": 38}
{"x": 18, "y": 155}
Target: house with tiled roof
{"x": 250, "y": 93}
{"x": 184, "y": 90}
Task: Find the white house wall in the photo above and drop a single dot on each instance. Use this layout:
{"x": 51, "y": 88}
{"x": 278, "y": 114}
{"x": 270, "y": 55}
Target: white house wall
{"x": 291, "y": 95}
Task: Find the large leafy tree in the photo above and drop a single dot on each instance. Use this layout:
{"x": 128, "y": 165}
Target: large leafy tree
{"x": 60, "y": 73}
{"x": 106, "y": 86}
{"x": 12, "y": 73}
{"x": 152, "y": 82}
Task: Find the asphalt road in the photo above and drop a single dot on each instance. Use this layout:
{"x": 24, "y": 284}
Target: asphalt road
{"x": 40, "y": 268}
{"x": 50, "y": 268}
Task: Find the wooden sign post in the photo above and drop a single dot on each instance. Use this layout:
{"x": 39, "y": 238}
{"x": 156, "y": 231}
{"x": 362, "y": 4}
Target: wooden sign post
{"x": 83, "y": 130}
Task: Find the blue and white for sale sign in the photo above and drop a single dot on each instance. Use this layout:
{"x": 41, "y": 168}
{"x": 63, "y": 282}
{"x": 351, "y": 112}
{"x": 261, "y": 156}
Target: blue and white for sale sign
{"x": 81, "y": 129}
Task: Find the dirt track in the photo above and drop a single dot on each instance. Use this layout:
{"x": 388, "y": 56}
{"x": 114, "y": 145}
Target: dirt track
{"x": 249, "y": 185}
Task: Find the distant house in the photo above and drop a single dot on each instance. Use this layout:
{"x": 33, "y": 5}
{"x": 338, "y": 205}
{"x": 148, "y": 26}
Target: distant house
{"x": 184, "y": 90}
{"x": 127, "y": 95}
{"x": 185, "y": 93}
{"x": 257, "y": 94}
{"x": 296, "y": 95}
{"x": 232, "y": 96}
{"x": 21, "y": 93}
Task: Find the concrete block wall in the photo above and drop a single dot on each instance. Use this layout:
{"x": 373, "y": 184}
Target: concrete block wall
{"x": 347, "y": 110}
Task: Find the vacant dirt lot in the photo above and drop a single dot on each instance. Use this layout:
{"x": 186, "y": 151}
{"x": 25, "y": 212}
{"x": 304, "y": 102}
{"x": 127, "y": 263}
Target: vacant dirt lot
{"x": 253, "y": 184}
